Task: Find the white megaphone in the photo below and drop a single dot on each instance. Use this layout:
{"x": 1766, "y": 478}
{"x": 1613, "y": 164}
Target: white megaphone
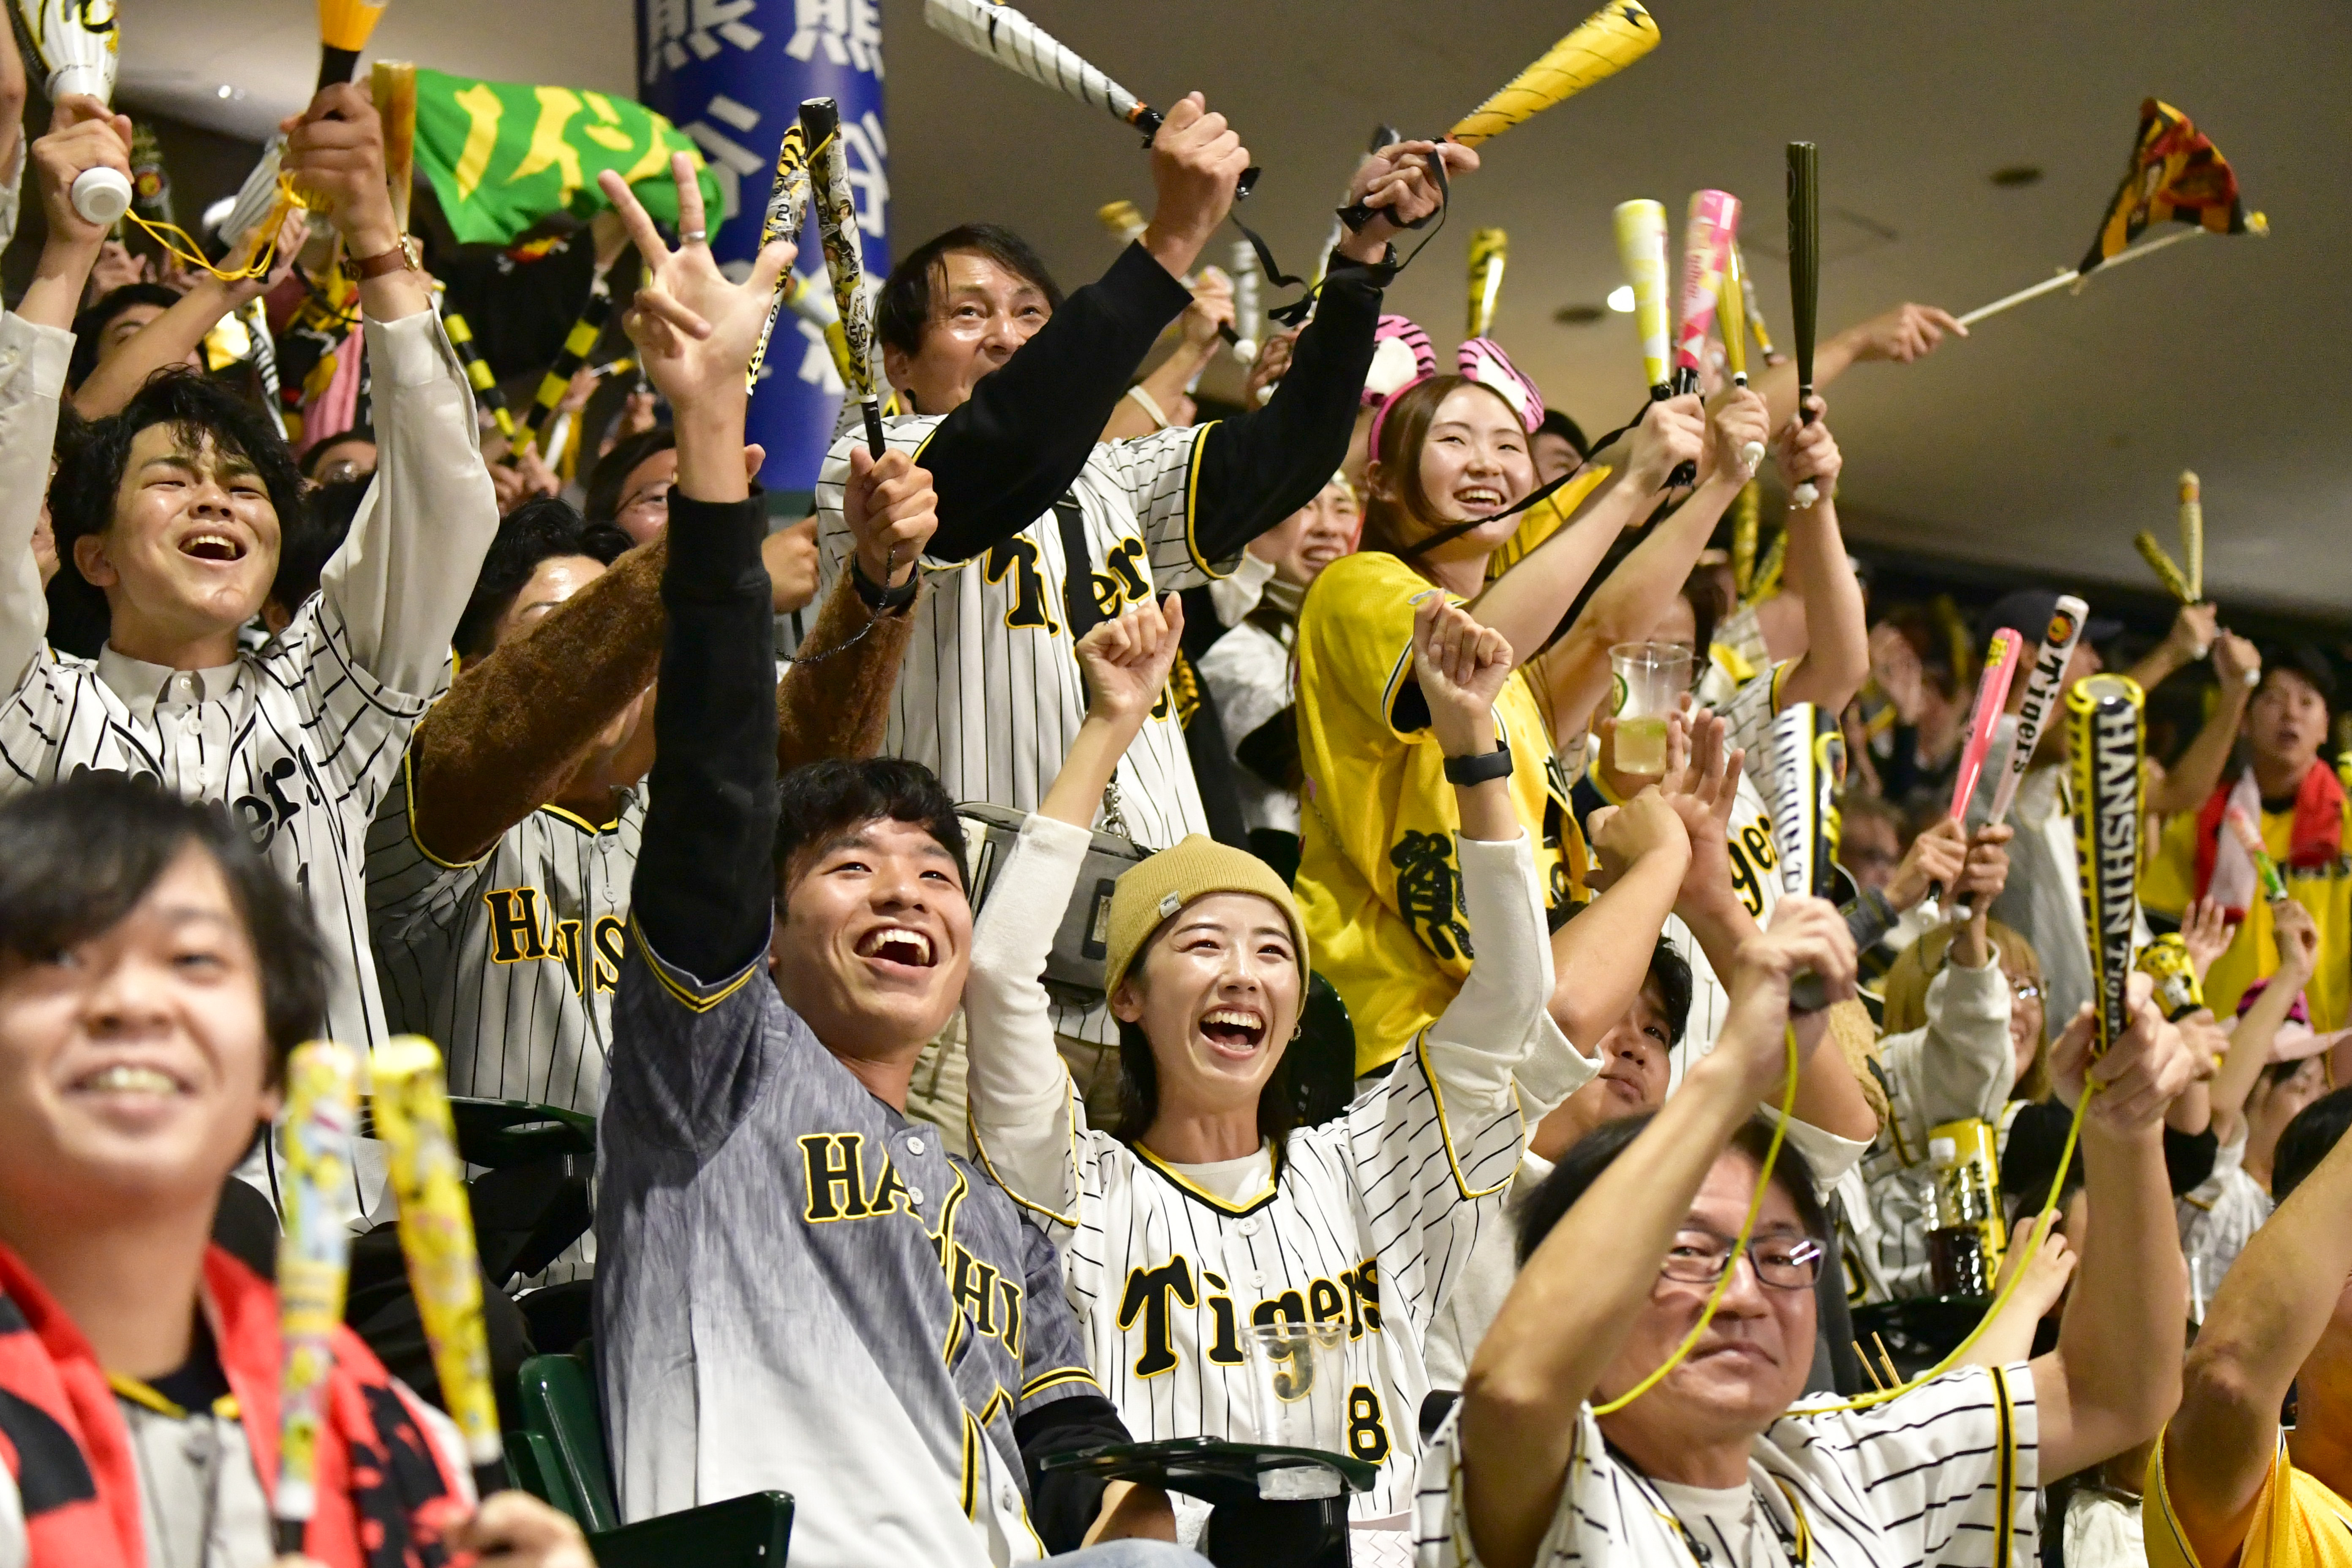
{"x": 102, "y": 194}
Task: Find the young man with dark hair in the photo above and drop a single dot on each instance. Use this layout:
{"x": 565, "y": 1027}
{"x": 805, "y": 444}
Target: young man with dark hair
{"x": 349, "y": 455}
{"x": 797, "y": 1287}
{"x": 171, "y": 513}
{"x": 2292, "y": 794}
{"x": 154, "y": 974}
{"x": 2228, "y": 1485}
{"x": 118, "y": 316}
{"x": 499, "y": 863}
{"x": 1046, "y": 531}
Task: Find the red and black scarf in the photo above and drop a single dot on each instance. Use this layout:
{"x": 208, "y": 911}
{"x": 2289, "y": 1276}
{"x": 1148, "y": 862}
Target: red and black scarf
{"x": 384, "y": 1492}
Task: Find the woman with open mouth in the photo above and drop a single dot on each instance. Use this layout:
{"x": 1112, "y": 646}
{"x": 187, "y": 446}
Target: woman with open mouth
{"x": 1205, "y": 1211}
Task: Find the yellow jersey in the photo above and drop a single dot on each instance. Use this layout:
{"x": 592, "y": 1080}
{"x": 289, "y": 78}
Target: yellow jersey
{"x": 2299, "y": 1522}
{"x": 1379, "y": 881}
{"x": 2170, "y": 881}
{"x": 1546, "y": 518}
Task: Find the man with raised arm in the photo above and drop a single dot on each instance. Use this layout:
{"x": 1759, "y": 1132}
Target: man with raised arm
{"x": 169, "y": 524}
{"x": 1044, "y": 531}
{"x": 797, "y": 1287}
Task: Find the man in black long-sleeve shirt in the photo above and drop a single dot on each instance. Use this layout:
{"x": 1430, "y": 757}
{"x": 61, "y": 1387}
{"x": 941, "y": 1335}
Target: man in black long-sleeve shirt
{"x": 798, "y": 1289}
{"x": 1043, "y": 530}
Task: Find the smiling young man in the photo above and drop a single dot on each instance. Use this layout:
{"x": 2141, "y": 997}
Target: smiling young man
{"x": 171, "y": 513}
{"x": 798, "y": 1288}
{"x": 1045, "y": 531}
{"x": 154, "y": 974}
{"x": 2302, "y": 812}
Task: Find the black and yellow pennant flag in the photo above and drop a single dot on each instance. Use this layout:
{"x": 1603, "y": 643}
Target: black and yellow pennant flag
{"x": 2177, "y": 176}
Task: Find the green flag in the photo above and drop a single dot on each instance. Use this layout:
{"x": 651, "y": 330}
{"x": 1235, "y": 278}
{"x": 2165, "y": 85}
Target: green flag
{"x": 503, "y": 156}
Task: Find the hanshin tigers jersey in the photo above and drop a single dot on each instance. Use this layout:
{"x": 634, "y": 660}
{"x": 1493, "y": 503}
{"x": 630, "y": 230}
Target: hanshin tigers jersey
{"x": 1367, "y": 1221}
{"x": 990, "y": 696}
{"x": 508, "y": 964}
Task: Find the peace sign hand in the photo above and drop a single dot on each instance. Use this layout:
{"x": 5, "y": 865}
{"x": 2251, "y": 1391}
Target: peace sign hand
{"x": 695, "y": 330}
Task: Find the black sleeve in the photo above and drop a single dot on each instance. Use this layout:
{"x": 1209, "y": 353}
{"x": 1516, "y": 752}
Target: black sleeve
{"x": 1018, "y": 442}
{"x": 1869, "y": 918}
{"x": 2189, "y": 1159}
{"x": 1062, "y": 1505}
{"x": 704, "y": 887}
{"x": 1258, "y": 468}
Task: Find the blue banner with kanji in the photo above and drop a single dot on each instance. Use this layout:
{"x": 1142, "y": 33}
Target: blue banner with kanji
{"x": 730, "y": 75}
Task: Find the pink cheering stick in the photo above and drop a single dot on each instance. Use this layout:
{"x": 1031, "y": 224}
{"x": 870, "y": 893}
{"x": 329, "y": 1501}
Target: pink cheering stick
{"x": 1992, "y": 696}
{"x": 1713, "y": 224}
{"x": 2042, "y": 696}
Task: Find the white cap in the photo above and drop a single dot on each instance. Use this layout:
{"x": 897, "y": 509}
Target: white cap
{"x": 102, "y": 194}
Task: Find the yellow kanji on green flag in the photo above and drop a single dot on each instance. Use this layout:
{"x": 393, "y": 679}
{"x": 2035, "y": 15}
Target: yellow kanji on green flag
{"x": 501, "y": 156}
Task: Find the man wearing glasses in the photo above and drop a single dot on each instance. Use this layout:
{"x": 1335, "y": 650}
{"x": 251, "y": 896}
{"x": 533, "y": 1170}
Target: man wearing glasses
{"x": 1566, "y": 1445}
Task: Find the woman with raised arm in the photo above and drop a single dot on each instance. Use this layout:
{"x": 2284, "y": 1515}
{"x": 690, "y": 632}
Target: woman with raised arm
{"x": 1377, "y": 878}
{"x": 1206, "y": 1209}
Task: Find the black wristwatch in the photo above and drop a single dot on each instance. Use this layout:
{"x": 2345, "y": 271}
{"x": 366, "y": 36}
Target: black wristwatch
{"x": 1477, "y": 770}
{"x": 877, "y": 597}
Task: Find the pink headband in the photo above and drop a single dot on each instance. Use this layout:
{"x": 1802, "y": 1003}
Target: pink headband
{"x": 1401, "y": 356}
{"x": 1481, "y": 360}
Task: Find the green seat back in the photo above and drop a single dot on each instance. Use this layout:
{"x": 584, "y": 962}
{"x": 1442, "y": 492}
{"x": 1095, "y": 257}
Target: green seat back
{"x": 558, "y": 1456}
{"x": 563, "y": 1440}
{"x": 1323, "y": 1058}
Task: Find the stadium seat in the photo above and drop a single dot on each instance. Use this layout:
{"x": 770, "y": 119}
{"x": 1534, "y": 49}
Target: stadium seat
{"x": 558, "y": 1456}
{"x": 531, "y": 1200}
{"x": 1323, "y": 1059}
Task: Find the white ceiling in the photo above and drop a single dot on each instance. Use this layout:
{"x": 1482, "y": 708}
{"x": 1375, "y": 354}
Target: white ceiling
{"x": 2045, "y": 441}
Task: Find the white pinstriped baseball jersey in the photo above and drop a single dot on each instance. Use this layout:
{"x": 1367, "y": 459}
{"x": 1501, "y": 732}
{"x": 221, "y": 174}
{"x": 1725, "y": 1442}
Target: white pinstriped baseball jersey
{"x": 990, "y": 697}
{"x": 300, "y": 740}
{"x": 1369, "y": 1221}
{"x": 508, "y": 964}
{"x": 1944, "y": 1477}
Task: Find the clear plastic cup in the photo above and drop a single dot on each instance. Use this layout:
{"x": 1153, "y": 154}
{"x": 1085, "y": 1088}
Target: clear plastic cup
{"x": 1300, "y": 1372}
{"x": 1650, "y": 678}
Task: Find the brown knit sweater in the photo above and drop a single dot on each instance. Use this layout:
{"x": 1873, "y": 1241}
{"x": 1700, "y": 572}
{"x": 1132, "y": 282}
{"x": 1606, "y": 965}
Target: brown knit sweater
{"x": 518, "y": 724}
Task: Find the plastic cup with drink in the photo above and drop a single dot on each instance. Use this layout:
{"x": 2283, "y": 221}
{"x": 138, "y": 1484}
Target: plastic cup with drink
{"x": 1650, "y": 678}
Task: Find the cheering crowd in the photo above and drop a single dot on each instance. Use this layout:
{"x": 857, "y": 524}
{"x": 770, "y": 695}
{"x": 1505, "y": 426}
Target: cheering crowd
{"x": 1187, "y": 929}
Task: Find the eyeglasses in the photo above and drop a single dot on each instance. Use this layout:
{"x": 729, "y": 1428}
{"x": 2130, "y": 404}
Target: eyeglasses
{"x": 1782, "y": 1263}
{"x": 2025, "y": 991}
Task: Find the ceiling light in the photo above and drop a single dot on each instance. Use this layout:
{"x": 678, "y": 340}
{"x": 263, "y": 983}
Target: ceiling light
{"x": 226, "y": 91}
{"x": 1621, "y": 298}
{"x": 2017, "y": 174}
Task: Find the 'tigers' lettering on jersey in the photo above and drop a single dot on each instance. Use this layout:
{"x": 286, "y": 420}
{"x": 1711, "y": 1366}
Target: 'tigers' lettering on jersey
{"x": 834, "y": 1172}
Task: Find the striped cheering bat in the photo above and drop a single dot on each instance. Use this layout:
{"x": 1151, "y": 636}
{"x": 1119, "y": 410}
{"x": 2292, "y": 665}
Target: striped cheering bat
{"x": 578, "y": 344}
{"x": 477, "y": 373}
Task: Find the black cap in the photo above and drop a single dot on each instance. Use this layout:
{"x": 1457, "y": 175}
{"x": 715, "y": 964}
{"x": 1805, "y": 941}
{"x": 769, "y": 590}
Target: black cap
{"x": 2029, "y": 611}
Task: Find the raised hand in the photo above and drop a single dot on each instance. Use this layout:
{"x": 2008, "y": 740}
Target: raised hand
{"x": 1196, "y": 163}
{"x": 1933, "y": 859}
{"x": 84, "y": 134}
{"x": 2297, "y": 939}
{"x": 1126, "y": 661}
{"x": 1985, "y": 871}
{"x": 1395, "y": 183}
{"x": 1902, "y": 334}
{"x": 1460, "y": 667}
{"x": 2190, "y": 635}
{"x": 1211, "y": 306}
{"x": 2207, "y": 930}
{"x": 1736, "y": 421}
{"x": 1670, "y": 433}
{"x": 1702, "y": 792}
{"x": 891, "y": 510}
{"x": 1266, "y": 371}
{"x": 1809, "y": 454}
{"x": 694, "y": 328}
{"x": 2237, "y": 663}
{"x": 2140, "y": 1075}
{"x": 2047, "y": 1275}
{"x": 334, "y": 155}
{"x": 1894, "y": 665}
{"x": 1805, "y": 933}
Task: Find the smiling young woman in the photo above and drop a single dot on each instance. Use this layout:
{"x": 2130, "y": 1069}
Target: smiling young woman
{"x": 1206, "y": 1209}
